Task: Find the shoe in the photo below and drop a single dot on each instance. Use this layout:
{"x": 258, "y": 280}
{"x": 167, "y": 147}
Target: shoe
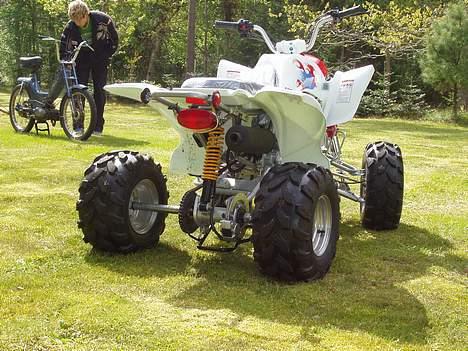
{"x": 98, "y": 134}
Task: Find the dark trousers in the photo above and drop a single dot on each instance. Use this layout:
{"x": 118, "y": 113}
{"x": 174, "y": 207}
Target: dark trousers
{"x": 98, "y": 70}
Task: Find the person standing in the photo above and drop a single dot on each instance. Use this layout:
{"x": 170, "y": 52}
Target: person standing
{"x": 98, "y": 30}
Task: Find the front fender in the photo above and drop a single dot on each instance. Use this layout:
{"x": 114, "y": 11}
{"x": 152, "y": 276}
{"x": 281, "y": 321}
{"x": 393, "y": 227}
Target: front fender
{"x": 79, "y": 86}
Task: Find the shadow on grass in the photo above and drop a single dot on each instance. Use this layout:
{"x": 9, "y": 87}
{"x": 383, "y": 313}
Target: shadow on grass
{"x": 105, "y": 140}
{"x": 363, "y": 292}
{"x": 163, "y": 260}
{"x": 115, "y": 142}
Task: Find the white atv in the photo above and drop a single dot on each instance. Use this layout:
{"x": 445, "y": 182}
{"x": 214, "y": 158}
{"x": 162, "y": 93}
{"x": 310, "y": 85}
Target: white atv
{"x": 264, "y": 147}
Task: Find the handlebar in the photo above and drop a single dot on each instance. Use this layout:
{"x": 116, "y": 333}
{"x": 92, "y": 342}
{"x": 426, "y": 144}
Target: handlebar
{"x": 333, "y": 16}
{"x": 352, "y": 11}
{"x": 245, "y": 27}
{"x": 241, "y": 25}
{"x": 75, "y": 52}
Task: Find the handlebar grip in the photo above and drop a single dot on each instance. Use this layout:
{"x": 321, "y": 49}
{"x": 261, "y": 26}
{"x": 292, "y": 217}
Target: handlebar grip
{"x": 244, "y": 27}
{"x": 226, "y": 25}
{"x": 352, "y": 11}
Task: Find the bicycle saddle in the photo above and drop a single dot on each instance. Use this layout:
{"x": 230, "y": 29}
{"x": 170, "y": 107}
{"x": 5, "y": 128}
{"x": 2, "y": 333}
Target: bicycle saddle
{"x": 33, "y": 62}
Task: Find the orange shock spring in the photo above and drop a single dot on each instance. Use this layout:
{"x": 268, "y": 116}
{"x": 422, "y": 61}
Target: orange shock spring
{"x": 213, "y": 153}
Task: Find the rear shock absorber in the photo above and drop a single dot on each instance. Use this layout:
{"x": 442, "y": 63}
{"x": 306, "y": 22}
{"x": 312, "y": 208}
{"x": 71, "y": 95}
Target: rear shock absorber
{"x": 213, "y": 153}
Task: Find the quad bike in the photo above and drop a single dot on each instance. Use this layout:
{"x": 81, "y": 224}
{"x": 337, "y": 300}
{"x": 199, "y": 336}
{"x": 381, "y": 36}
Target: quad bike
{"x": 31, "y": 107}
{"x": 264, "y": 148}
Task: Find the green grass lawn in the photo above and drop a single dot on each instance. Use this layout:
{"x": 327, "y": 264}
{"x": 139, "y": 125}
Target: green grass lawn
{"x": 398, "y": 290}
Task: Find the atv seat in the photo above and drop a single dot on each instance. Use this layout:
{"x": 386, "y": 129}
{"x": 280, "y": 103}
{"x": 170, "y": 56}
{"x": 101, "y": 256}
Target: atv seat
{"x": 217, "y": 83}
{"x": 34, "y": 62}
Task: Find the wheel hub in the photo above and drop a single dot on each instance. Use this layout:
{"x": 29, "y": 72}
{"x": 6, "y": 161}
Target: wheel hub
{"x": 322, "y": 225}
{"x": 142, "y": 221}
{"x": 238, "y": 207}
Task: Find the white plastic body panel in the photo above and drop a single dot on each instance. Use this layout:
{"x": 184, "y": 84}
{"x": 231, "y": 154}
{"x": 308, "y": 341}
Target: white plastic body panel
{"x": 297, "y": 120}
{"x": 345, "y": 94}
{"x": 290, "y": 72}
{"x": 293, "y": 91}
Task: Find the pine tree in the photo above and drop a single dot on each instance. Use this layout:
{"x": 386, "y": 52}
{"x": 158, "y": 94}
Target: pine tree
{"x": 445, "y": 61}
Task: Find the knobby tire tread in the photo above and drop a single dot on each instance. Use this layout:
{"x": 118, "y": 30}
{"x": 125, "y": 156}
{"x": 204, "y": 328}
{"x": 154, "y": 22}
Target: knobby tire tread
{"x": 382, "y": 187}
{"x": 283, "y": 222}
{"x": 103, "y": 203}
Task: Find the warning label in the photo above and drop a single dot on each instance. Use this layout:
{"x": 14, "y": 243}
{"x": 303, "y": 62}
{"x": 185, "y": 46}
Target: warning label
{"x": 345, "y": 91}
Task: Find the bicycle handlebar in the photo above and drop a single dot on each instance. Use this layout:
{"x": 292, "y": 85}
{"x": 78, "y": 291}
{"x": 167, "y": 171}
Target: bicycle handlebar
{"x": 75, "y": 52}
{"x": 78, "y": 48}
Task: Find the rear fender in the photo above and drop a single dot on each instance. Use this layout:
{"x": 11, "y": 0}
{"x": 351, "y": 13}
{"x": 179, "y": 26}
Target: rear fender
{"x": 298, "y": 122}
{"x": 24, "y": 80}
{"x": 188, "y": 157}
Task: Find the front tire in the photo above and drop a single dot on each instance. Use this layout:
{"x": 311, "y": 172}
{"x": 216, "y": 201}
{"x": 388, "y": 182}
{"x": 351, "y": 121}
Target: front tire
{"x": 382, "y": 186}
{"x": 112, "y": 183}
{"x": 20, "y": 121}
{"x": 78, "y": 114}
{"x": 296, "y": 222}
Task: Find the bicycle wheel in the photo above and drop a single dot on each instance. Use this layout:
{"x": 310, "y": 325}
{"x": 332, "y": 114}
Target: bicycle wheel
{"x": 78, "y": 114}
{"x": 20, "y": 110}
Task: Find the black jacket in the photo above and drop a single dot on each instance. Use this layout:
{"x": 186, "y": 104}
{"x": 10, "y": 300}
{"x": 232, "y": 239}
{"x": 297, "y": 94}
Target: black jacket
{"x": 105, "y": 38}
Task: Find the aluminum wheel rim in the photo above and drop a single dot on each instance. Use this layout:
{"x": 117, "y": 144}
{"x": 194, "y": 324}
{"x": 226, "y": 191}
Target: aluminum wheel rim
{"x": 20, "y": 97}
{"x": 322, "y": 225}
{"x": 363, "y": 194}
{"x": 143, "y": 220}
{"x": 76, "y": 118}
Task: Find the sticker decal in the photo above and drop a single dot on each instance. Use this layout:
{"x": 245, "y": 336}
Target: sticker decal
{"x": 306, "y": 76}
{"x": 345, "y": 91}
{"x": 233, "y": 74}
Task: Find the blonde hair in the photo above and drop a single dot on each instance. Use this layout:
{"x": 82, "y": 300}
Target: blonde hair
{"x": 77, "y": 9}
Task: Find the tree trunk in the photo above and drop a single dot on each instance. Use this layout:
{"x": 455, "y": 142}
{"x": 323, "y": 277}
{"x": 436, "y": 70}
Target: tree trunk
{"x": 33, "y": 28}
{"x": 190, "y": 66}
{"x": 455, "y": 101}
{"x": 464, "y": 95}
{"x": 228, "y": 9}
{"x": 205, "y": 41}
{"x": 342, "y": 55}
{"x": 387, "y": 70}
{"x": 153, "y": 56}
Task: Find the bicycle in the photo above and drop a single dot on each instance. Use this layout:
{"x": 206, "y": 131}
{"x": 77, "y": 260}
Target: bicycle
{"x": 30, "y": 106}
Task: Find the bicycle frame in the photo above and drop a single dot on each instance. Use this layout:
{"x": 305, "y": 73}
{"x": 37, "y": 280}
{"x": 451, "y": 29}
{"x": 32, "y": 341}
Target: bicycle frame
{"x": 66, "y": 77}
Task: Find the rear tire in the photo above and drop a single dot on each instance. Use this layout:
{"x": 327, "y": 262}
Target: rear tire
{"x": 78, "y": 123}
{"x": 112, "y": 182}
{"x": 296, "y": 222}
{"x": 20, "y": 124}
{"x": 382, "y": 186}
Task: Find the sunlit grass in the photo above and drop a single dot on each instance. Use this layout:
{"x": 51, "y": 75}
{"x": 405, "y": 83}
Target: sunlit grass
{"x": 402, "y": 289}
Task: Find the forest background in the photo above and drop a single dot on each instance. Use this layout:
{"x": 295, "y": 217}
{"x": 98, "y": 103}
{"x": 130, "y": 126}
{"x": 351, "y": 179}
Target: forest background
{"x": 394, "y": 37}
